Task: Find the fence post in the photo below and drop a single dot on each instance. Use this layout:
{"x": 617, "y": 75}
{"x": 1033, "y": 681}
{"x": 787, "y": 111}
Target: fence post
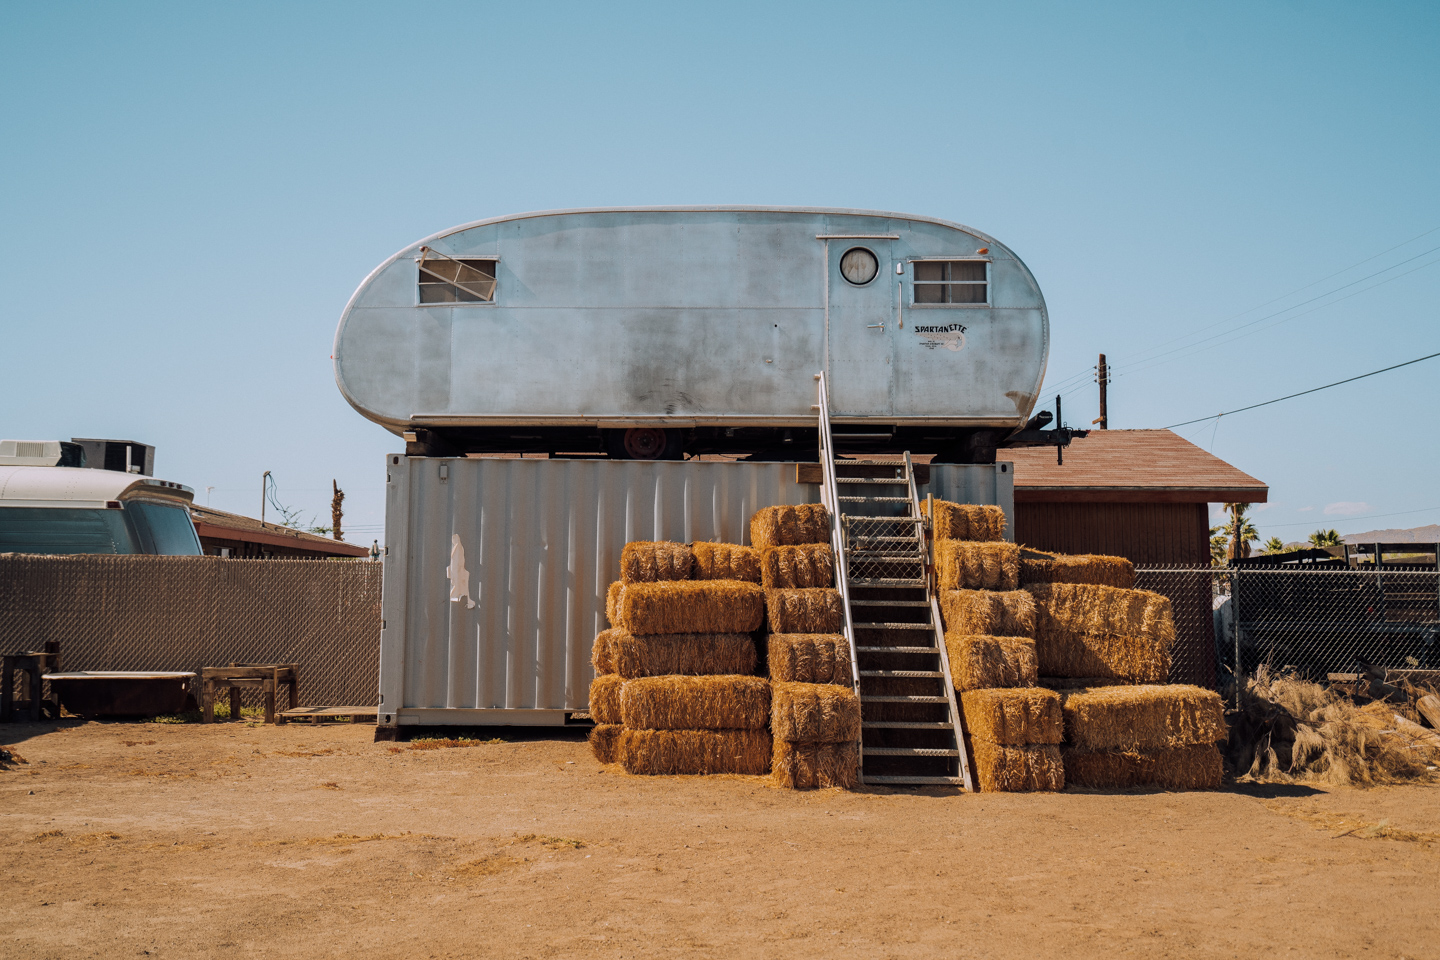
{"x": 1235, "y": 621}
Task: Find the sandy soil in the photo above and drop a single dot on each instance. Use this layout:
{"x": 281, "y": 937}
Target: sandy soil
{"x": 298, "y": 841}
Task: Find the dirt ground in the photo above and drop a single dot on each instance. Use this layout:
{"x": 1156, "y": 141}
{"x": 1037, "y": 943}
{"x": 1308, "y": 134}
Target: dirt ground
{"x": 299, "y": 841}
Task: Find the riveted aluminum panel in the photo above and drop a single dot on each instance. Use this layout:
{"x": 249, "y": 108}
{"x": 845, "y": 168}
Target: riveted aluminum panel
{"x": 541, "y": 542}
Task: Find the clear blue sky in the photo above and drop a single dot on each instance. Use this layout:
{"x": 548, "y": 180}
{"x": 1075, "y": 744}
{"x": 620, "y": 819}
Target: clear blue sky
{"x": 189, "y": 193}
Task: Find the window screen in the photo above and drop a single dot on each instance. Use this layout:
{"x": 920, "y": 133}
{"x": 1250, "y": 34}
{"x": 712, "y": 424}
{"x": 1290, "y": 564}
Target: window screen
{"x": 443, "y": 280}
{"x": 951, "y": 281}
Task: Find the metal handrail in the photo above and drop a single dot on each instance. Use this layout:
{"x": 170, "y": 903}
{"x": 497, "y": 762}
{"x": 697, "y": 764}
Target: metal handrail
{"x": 830, "y": 497}
{"x": 946, "y": 680}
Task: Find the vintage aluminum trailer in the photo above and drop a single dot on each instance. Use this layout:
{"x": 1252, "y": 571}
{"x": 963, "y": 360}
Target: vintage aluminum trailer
{"x": 496, "y": 569}
{"x": 648, "y": 333}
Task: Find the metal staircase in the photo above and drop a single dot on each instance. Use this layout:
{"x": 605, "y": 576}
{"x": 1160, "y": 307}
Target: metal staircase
{"x": 911, "y": 731}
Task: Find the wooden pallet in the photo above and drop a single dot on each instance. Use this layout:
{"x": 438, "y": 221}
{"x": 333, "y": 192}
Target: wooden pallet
{"x": 319, "y": 714}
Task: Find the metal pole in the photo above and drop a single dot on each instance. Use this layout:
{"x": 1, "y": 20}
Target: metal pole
{"x": 1235, "y": 619}
{"x": 1104, "y": 378}
{"x": 264, "y": 481}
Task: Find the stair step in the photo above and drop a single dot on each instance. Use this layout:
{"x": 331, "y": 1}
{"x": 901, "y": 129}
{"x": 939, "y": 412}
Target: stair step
{"x": 864, "y": 699}
{"x": 910, "y": 752}
{"x": 871, "y": 480}
{"x": 919, "y": 781}
{"x": 894, "y": 626}
{"x": 859, "y": 499}
{"x": 858, "y": 602}
{"x": 907, "y": 725}
{"x": 903, "y": 674}
{"x": 884, "y": 582}
{"x": 930, "y": 650}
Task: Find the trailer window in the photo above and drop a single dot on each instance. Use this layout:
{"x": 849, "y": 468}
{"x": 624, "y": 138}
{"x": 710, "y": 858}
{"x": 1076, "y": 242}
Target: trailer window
{"x": 444, "y": 280}
{"x": 951, "y": 281}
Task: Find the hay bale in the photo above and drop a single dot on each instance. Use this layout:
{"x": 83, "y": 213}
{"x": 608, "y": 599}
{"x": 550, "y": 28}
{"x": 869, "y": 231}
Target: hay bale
{"x": 1016, "y": 769}
{"x": 806, "y": 766}
{"x": 600, "y": 656}
{"x": 1062, "y": 684}
{"x": 691, "y": 654}
{"x": 1143, "y": 718}
{"x": 980, "y": 662}
{"x": 695, "y": 703}
{"x": 984, "y": 613}
{"x": 1081, "y": 568}
{"x": 692, "y": 606}
{"x": 810, "y": 658}
{"x": 814, "y": 713}
{"x": 1013, "y": 718}
{"x": 605, "y": 698}
{"x": 962, "y": 565}
{"x": 671, "y": 752}
{"x": 612, "y": 602}
{"x": 726, "y": 561}
{"x": 799, "y": 565}
{"x": 1196, "y": 767}
{"x": 967, "y": 521}
{"x": 788, "y": 525}
{"x": 645, "y": 561}
{"x": 1088, "y": 630}
{"x": 605, "y": 741}
{"x": 808, "y": 610}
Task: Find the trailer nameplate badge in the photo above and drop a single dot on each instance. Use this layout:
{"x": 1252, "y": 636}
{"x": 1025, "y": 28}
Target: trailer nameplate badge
{"x": 951, "y": 336}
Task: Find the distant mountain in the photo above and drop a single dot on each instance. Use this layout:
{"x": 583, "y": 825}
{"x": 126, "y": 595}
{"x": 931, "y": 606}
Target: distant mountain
{"x": 1427, "y": 534}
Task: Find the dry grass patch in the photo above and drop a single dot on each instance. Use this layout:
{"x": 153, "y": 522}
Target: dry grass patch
{"x": 695, "y": 703}
{"x": 965, "y": 565}
{"x": 980, "y": 662}
{"x": 1019, "y": 717}
{"x": 726, "y": 561}
{"x": 694, "y": 606}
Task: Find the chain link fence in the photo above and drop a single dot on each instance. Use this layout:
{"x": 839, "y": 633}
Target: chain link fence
{"x": 1309, "y": 622}
{"x": 184, "y": 613}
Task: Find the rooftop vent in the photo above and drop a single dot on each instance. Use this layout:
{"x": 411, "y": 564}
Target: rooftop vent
{"x": 122, "y": 456}
{"x": 41, "y": 453}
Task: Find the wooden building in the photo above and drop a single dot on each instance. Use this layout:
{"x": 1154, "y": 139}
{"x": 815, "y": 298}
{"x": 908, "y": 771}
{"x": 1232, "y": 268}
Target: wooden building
{"x": 1140, "y": 494}
{"x": 225, "y": 534}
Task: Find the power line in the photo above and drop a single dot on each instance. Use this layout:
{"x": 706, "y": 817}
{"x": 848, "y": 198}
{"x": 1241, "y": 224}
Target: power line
{"x": 1369, "y": 516}
{"x": 1303, "y": 392}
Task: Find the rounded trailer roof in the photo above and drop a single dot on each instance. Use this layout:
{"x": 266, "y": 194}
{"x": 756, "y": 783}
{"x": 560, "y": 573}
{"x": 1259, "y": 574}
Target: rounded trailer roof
{"x": 80, "y": 483}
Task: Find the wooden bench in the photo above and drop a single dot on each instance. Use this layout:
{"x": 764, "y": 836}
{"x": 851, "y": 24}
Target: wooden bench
{"x": 238, "y": 676}
{"x": 317, "y": 714}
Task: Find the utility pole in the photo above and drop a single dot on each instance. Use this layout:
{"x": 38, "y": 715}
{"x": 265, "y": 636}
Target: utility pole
{"x": 335, "y": 511}
{"x": 1102, "y": 376}
{"x": 264, "y": 485}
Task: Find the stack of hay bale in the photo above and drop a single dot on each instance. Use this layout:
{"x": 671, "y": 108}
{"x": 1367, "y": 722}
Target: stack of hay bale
{"x": 815, "y": 716}
{"x": 676, "y": 691}
{"x": 1107, "y": 647}
{"x": 1013, "y": 726}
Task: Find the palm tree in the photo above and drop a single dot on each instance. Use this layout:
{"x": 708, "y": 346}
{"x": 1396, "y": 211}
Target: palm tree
{"x": 1248, "y": 533}
{"x": 1274, "y": 545}
{"x": 1325, "y": 538}
{"x": 1219, "y": 540}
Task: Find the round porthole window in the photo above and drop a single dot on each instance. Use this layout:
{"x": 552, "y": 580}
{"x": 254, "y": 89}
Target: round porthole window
{"x": 859, "y": 266}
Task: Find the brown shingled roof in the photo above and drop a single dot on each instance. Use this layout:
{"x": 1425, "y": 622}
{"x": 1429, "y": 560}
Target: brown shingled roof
{"x": 222, "y": 525}
{"x": 1130, "y": 466}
